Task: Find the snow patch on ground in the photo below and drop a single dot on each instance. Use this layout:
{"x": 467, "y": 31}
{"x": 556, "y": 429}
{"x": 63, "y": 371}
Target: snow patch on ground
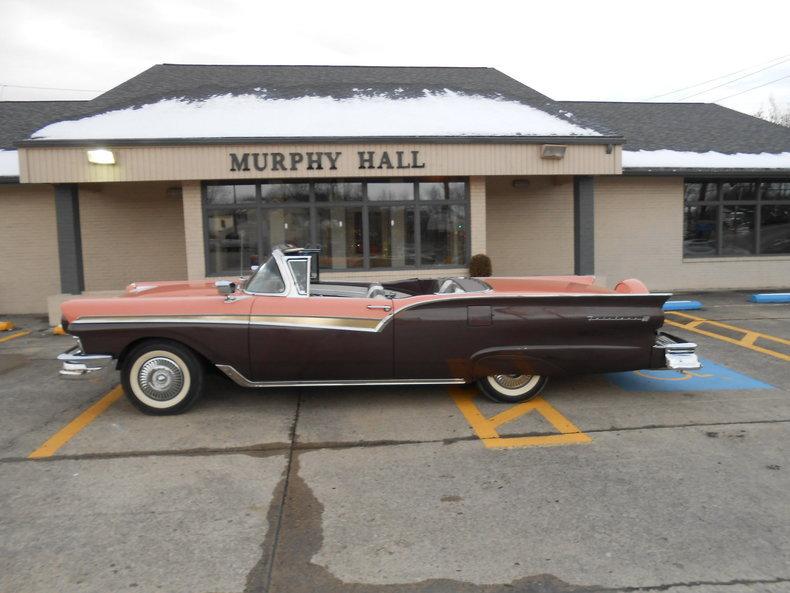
{"x": 9, "y": 163}
{"x": 444, "y": 113}
{"x": 672, "y": 159}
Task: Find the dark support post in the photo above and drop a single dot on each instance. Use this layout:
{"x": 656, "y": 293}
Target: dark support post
{"x": 583, "y": 225}
{"x": 67, "y": 217}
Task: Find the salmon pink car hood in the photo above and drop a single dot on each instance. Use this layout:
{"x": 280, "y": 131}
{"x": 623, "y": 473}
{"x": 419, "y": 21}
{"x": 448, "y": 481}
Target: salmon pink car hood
{"x": 182, "y": 288}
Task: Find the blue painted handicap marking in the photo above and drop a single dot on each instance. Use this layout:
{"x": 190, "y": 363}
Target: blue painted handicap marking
{"x": 710, "y": 377}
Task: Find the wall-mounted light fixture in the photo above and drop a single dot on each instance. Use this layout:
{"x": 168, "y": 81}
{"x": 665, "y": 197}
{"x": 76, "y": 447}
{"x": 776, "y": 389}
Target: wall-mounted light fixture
{"x": 101, "y": 156}
{"x": 552, "y": 151}
{"x": 520, "y": 183}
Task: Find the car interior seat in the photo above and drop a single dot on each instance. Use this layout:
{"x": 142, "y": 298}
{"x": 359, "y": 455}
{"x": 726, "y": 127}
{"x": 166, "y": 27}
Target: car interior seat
{"x": 376, "y": 291}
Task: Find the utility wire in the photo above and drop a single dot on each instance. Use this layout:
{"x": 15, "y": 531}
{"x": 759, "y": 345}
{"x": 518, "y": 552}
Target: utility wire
{"x": 47, "y": 88}
{"x": 685, "y": 88}
{"x": 718, "y": 86}
{"x": 759, "y": 86}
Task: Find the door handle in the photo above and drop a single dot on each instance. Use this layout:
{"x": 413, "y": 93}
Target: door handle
{"x": 383, "y": 307}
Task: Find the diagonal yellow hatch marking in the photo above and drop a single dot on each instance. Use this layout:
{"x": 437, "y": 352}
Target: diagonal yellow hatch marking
{"x": 485, "y": 428}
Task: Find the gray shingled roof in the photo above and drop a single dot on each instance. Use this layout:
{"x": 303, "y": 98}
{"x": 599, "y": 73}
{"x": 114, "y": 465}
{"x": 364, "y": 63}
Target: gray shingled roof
{"x": 19, "y": 119}
{"x": 693, "y": 127}
{"x": 195, "y": 81}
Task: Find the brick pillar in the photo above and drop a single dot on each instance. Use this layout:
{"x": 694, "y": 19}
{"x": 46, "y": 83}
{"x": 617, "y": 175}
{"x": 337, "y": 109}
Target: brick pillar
{"x": 192, "y": 198}
{"x": 477, "y": 212}
{"x": 67, "y": 218}
{"x": 583, "y": 225}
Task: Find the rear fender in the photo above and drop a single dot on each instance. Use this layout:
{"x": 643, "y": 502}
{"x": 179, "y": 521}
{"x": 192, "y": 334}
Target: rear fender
{"x": 514, "y": 360}
{"x": 552, "y": 360}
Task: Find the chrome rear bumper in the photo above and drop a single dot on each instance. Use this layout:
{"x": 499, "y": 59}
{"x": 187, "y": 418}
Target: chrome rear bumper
{"x": 678, "y": 355}
{"x": 77, "y": 365}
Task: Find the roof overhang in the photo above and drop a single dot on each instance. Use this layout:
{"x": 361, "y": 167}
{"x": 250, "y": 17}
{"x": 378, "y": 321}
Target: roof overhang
{"x": 699, "y": 172}
{"x": 600, "y": 140}
{"x": 274, "y": 158}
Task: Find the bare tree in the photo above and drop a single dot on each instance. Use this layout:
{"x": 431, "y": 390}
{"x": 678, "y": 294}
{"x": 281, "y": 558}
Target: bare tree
{"x": 775, "y": 113}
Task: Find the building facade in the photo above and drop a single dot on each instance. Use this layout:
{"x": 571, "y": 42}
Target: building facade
{"x": 188, "y": 172}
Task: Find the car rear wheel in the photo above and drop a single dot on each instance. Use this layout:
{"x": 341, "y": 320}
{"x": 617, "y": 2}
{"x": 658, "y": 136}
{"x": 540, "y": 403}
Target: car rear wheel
{"x": 161, "y": 377}
{"x": 512, "y": 389}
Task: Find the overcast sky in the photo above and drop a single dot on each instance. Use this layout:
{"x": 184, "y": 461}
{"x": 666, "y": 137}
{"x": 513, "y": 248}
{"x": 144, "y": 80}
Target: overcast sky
{"x": 630, "y": 50}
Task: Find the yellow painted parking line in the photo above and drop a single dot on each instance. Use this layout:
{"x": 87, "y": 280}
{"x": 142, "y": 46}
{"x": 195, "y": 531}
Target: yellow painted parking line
{"x": 65, "y": 434}
{"x": 12, "y": 336}
{"x": 486, "y": 428}
{"x": 746, "y": 341}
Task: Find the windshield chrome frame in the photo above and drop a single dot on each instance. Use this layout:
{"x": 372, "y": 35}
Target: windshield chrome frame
{"x": 291, "y": 289}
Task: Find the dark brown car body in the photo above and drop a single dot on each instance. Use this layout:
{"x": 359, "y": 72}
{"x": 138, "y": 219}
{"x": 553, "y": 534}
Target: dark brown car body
{"x": 408, "y": 331}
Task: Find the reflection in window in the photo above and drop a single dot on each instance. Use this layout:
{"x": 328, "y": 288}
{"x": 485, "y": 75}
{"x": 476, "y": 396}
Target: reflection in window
{"x": 736, "y": 218}
{"x": 431, "y": 191}
{"x": 232, "y": 241}
{"x": 457, "y": 190}
{"x": 384, "y": 191}
{"x": 338, "y": 192}
{"x": 737, "y": 230}
{"x": 340, "y": 237}
{"x": 741, "y": 191}
{"x": 776, "y": 191}
{"x": 775, "y": 229}
{"x": 230, "y": 194}
{"x": 408, "y": 223}
{"x": 442, "y": 235}
{"x": 699, "y": 234}
{"x": 701, "y": 192}
{"x": 280, "y": 193}
{"x": 391, "y": 237}
{"x": 287, "y": 226}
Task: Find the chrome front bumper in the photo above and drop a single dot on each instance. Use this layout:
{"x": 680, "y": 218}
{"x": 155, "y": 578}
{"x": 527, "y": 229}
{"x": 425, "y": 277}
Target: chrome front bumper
{"x": 77, "y": 365}
{"x": 677, "y": 354}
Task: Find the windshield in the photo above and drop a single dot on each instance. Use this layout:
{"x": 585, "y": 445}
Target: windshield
{"x": 299, "y": 271}
{"x": 267, "y": 279}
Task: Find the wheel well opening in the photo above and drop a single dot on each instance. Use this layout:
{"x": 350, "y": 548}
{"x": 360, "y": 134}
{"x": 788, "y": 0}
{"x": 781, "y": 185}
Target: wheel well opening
{"x": 132, "y": 345}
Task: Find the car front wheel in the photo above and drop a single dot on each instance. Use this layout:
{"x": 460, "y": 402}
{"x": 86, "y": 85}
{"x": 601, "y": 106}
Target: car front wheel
{"x": 512, "y": 389}
{"x": 162, "y": 377}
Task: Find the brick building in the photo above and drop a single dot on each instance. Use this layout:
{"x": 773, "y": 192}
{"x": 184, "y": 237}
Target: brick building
{"x": 189, "y": 171}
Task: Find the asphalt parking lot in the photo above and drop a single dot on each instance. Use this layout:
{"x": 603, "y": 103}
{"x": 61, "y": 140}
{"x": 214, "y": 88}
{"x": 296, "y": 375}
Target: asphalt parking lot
{"x": 635, "y": 482}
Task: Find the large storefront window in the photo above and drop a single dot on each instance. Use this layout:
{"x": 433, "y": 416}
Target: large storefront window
{"x": 357, "y": 224}
{"x": 731, "y": 218}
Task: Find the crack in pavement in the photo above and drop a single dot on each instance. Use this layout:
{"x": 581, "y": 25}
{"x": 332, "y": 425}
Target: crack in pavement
{"x": 690, "y": 584}
{"x": 287, "y": 555}
{"x": 271, "y": 449}
{"x": 295, "y": 535}
{"x": 259, "y": 578}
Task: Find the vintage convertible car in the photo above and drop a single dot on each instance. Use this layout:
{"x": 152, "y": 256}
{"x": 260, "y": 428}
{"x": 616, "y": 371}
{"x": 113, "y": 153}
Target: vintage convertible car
{"x": 284, "y": 327}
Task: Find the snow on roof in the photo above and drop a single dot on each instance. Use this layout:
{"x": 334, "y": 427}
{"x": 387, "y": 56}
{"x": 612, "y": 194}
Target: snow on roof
{"x": 9, "y": 163}
{"x": 445, "y": 113}
{"x": 673, "y": 159}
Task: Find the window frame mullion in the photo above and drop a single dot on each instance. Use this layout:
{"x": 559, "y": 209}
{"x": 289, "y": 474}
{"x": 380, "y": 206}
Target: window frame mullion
{"x": 263, "y": 209}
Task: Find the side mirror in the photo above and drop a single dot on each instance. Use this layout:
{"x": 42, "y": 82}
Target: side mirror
{"x": 225, "y": 287}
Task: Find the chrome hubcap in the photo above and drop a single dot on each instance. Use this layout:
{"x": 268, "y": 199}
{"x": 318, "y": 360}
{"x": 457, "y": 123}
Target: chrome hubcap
{"x": 160, "y": 378}
{"x": 512, "y": 381}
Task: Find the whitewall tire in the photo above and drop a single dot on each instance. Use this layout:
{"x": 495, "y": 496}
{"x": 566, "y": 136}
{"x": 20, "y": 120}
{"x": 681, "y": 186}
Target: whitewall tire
{"x": 161, "y": 377}
{"x": 511, "y": 389}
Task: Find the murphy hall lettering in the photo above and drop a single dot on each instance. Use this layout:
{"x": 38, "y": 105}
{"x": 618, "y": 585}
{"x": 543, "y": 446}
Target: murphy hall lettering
{"x": 323, "y": 161}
